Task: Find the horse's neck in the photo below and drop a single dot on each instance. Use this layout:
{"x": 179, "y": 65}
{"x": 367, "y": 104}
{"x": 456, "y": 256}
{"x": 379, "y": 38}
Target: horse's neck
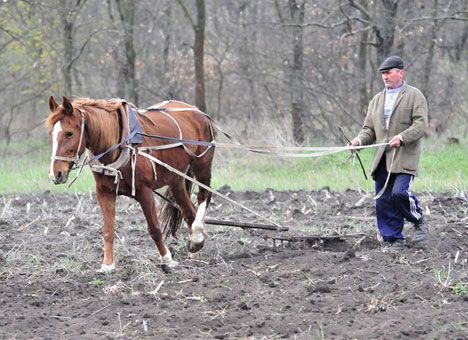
{"x": 103, "y": 133}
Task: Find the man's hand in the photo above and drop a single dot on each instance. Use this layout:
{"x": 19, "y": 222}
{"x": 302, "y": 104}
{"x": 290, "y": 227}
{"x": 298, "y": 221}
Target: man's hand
{"x": 355, "y": 142}
{"x": 395, "y": 142}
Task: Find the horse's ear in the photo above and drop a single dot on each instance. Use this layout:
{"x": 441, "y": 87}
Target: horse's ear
{"x": 67, "y": 106}
{"x": 52, "y": 104}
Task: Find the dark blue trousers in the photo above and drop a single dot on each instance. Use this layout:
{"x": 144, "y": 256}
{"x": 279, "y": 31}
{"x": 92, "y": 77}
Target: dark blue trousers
{"x": 396, "y": 204}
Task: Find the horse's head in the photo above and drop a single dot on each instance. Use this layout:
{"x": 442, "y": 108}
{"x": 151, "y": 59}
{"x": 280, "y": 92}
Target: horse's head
{"x": 66, "y": 127}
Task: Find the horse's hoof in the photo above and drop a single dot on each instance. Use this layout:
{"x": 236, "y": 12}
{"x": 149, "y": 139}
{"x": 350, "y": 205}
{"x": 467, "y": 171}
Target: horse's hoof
{"x": 170, "y": 264}
{"x": 106, "y": 269}
{"x": 194, "y": 247}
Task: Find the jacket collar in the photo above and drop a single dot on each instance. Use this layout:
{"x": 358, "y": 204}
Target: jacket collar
{"x": 400, "y": 95}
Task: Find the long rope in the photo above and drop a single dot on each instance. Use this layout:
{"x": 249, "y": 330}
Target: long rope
{"x": 275, "y": 150}
{"x": 180, "y": 173}
{"x": 381, "y": 192}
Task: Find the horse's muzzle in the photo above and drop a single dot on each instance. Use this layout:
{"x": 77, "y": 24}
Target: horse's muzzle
{"x": 60, "y": 178}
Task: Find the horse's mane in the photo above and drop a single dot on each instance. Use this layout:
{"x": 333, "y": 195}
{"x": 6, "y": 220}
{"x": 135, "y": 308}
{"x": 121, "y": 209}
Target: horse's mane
{"x": 79, "y": 103}
{"x": 53, "y": 118}
{"x": 105, "y": 105}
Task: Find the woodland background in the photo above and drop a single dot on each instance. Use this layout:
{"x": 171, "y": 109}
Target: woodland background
{"x": 288, "y": 71}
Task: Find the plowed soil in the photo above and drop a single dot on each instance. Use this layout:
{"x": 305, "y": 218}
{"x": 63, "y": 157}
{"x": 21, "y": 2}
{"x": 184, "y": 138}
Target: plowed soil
{"x": 343, "y": 286}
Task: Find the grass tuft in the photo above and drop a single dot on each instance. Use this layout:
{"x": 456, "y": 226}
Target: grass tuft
{"x": 96, "y": 282}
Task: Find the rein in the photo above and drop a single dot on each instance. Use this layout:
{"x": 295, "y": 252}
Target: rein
{"x": 283, "y": 151}
{"x": 130, "y": 153}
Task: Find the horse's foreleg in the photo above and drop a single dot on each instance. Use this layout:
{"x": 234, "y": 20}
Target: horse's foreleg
{"x": 146, "y": 199}
{"x": 107, "y": 202}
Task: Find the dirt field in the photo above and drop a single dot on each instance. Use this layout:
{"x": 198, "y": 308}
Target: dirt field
{"x": 239, "y": 285}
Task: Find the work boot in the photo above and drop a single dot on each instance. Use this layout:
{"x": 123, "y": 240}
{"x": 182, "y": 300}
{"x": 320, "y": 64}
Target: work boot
{"x": 394, "y": 246}
{"x": 421, "y": 232}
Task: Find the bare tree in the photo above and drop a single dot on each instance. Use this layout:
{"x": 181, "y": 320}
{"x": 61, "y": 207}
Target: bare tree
{"x": 69, "y": 10}
{"x": 127, "y": 9}
{"x": 297, "y": 11}
{"x": 198, "y": 27}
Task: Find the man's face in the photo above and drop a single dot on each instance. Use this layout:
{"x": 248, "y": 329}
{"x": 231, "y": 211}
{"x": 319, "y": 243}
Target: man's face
{"x": 393, "y": 78}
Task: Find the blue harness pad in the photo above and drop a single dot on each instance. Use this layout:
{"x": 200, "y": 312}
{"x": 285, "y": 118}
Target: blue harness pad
{"x": 134, "y": 126}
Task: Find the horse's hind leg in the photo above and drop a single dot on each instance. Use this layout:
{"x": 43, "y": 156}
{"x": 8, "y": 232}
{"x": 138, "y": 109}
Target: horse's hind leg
{"x": 181, "y": 196}
{"x": 146, "y": 199}
{"x": 202, "y": 172}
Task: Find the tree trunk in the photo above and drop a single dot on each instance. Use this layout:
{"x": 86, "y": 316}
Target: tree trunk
{"x": 386, "y": 33}
{"x": 199, "y": 55}
{"x": 247, "y": 61}
{"x": 297, "y": 77}
{"x": 68, "y": 11}
{"x": 127, "y": 9}
{"x": 428, "y": 64}
{"x": 362, "y": 64}
{"x": 460, "y": 44}
{"x": 67, "y": 27}
{"x": 167, "y": 24}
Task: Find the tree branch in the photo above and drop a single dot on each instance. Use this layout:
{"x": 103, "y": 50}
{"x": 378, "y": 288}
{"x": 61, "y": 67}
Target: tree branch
{"x": 449, "y": 17}
{"x": 187, "y": 14}
{"x": 84, "y": 45}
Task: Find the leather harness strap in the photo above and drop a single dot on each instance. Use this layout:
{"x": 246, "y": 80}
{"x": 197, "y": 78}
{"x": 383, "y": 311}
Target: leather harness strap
{"x": 112, "y": 169}
{"x": 75, "y": 158}
{"x": 125, "y": 122}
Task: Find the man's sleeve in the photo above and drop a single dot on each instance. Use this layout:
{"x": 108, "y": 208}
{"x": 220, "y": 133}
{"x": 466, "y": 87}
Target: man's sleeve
{"x": 419, "y": 120}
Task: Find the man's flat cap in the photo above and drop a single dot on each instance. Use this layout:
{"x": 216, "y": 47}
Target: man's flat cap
{"x": 392, "y": 62}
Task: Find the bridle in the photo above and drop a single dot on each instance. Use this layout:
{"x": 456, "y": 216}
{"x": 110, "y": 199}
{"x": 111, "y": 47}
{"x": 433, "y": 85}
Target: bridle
{"x": 77, "y": 156}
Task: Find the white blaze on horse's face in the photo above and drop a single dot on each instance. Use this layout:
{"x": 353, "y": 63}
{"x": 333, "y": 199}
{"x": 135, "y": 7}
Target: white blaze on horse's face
{"x": 55, "y": 135}
{"x": 64, "y": 146}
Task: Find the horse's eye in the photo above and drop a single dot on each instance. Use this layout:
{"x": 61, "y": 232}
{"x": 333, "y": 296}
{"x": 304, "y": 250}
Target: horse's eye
{"x": 68, "y": 134}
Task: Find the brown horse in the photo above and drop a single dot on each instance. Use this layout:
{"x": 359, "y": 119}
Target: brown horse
{"x": 97, "y": 125}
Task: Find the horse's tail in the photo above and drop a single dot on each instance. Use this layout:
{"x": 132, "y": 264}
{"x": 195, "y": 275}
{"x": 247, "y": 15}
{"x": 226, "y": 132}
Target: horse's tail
{"x": 170, "y": 216}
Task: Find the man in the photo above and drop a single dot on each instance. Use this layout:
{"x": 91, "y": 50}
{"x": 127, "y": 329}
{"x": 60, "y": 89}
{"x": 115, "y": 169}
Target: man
{"x": 397, "y": 115}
